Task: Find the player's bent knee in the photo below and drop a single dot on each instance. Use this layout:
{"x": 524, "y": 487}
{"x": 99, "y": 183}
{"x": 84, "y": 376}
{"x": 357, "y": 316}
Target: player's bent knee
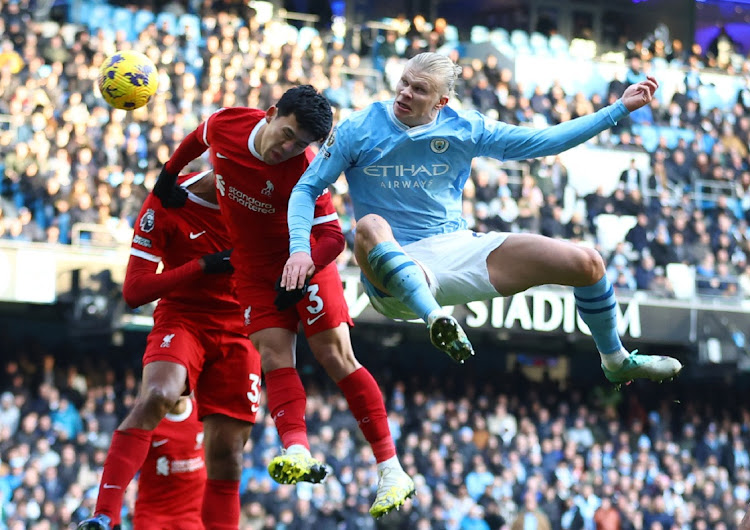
{"x": 338, "y": 363}
{"x": 591, "y": 266}
{"x": 159, "y": 399}
{"x": 371, "y": 222}
{"x": 329, "y": 357}
{"x": 370, "y": 230}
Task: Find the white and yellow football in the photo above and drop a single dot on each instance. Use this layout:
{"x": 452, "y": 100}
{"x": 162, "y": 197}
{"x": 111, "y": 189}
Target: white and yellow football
{"x": 128, "y": 80}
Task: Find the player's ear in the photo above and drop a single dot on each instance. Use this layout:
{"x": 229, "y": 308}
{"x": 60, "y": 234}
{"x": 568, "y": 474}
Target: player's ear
{"x": 270, "y": 113}
{"x": 442, "y": 102}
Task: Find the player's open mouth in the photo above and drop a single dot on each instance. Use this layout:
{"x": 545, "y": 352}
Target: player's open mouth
{"x": 403, "y": 107}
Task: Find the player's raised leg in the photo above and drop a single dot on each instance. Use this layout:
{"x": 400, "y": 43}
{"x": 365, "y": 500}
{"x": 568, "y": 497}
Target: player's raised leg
{"x": 528, "y": 260}
{"x": 391, "y": 270}
{"x": 286, "y": 403}
{"x": 163, "y": 383}
{"x": 333, "y": 350}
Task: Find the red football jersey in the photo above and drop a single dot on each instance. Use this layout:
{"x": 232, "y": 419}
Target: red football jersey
{"x": 173, "y": 477}
{"x": 253, "y": 195}
{"x": 179, "y": 235}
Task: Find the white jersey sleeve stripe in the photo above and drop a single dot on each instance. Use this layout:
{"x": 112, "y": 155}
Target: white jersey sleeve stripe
{"x": 325, "y": 219}
{"x": 145, "y": 255}
{"x": 205, "y": 131}
{"x": 205, "y": 127}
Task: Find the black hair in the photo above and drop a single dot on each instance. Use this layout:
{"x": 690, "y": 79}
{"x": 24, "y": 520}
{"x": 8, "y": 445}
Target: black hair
{"x": 311, "y": 109}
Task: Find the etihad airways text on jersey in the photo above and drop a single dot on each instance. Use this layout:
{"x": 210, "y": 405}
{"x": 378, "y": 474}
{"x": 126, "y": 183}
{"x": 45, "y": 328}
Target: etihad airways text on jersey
{"x": 430, "y": 170}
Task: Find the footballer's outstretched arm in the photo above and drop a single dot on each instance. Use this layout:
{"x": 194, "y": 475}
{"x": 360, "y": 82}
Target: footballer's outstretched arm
{"x": 510, "y": 142}
{"x": 143, "y": 284}
{"x": 513, "y": 142}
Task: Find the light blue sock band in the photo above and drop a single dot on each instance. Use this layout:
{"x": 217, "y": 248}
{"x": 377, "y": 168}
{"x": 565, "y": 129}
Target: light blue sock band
{"x": 402, "y": 277}
{"x": 597, "y": 306}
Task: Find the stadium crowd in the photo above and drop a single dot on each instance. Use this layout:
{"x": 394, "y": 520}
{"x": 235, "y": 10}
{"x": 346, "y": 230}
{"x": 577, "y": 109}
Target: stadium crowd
{"x": 486, "y": 454}
{"x": 69, "y": 159}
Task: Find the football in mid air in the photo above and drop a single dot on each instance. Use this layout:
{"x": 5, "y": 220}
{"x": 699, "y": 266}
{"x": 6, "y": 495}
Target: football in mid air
{"x": 128, "y": 80}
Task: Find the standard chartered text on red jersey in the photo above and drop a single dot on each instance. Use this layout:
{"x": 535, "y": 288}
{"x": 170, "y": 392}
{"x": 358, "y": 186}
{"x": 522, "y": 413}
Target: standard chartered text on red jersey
{"x": 251, "y": 203}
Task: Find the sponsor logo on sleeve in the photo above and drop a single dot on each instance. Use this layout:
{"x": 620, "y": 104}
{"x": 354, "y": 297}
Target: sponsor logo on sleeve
{"x": 331, "y": 138}
{"x": 142, "y": 241}
{"x": 328, "y": 144}
{"x": 148, "y": 221}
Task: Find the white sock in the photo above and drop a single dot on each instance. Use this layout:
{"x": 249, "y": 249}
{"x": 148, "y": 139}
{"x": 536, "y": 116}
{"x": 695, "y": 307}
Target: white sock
{"x": 297, "y": 449}
{"x": 435, "y": 314}
{"x": 612, "y": 361}
{"x": 391, "y": 463}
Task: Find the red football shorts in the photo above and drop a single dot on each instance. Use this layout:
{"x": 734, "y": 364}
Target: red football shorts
{"x": 222, "y": 364}
{"x": 322, "y": 308}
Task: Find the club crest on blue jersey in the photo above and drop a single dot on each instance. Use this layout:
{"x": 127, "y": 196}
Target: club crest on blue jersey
{"x": 147, "y": 221}
{"x": 439, "y": 145}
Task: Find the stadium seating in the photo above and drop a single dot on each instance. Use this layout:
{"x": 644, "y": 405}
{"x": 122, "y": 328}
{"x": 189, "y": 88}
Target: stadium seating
{"x": 141, "y": 20}
{"x": 99, "y": 16}
{"x": 558, "y": 45}
{"x": 479, "y": 34}
{"x": 499, "y": 36}
{"x": 306, "y": 36}
{"x": 122, "y": 19}
{"x": 612, "y": 229}
{"x": 451, "y": 34}
{"x": 538, "y": 44}
{"x": 190, "y": 24}
{"x": 682, "y": 279}
{"x": 168, "y": 21}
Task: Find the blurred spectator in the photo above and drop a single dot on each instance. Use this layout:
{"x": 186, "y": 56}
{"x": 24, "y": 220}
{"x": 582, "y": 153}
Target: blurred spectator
{"x": 631, "y": 178}
{"x": 530, "y": 515}
{"x": 639, "y": 236}
{"x": 607, "y": 517}
{"x": 9, "y": 413}
{"x": 661, "y": 249}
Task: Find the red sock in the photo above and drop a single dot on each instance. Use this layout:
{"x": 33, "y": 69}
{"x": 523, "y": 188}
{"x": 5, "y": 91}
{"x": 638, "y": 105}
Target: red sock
{"x": 125, "y": 457}
{"x": 221, "y": 505}
{"x": 286, "y": 402}
{"x": 366, "y": 403}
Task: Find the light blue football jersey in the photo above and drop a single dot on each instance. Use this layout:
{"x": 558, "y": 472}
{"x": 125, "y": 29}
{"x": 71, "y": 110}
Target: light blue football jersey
{"x": 414, "y": 177}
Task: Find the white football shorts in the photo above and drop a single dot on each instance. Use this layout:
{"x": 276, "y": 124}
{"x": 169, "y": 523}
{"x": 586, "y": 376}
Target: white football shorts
{"x": 455, "y": 265}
